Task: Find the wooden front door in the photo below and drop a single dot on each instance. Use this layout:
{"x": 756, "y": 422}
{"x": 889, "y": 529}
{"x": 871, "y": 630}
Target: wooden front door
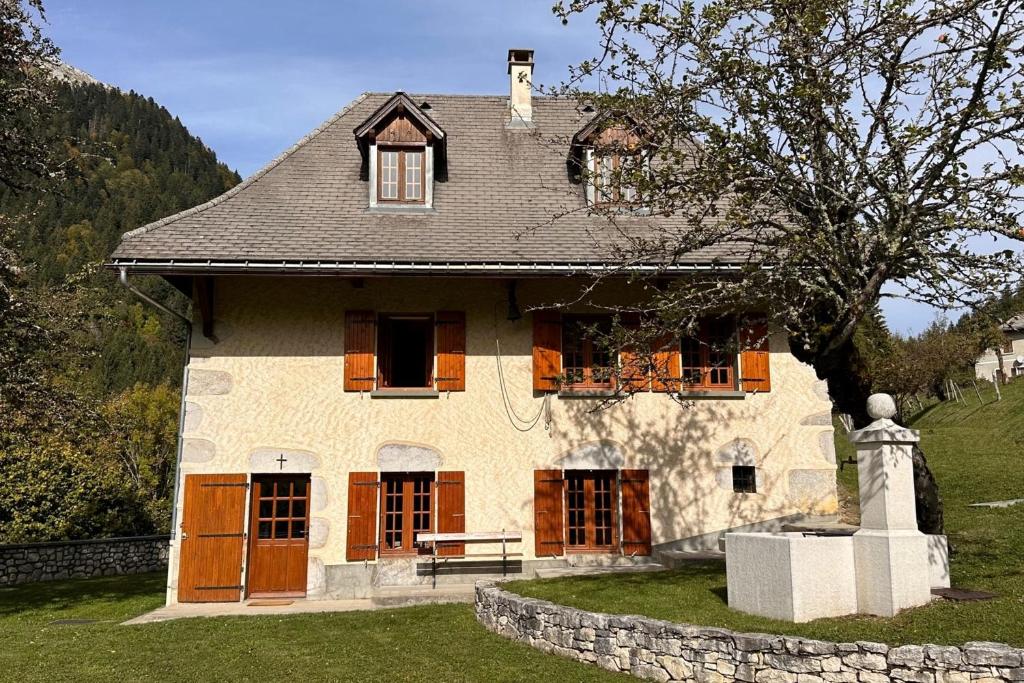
{"x": 279, "y": 543}
{"x": 212, "y": 531}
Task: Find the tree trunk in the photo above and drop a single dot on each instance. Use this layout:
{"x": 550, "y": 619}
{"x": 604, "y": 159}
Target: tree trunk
{"x": 849, "y": 388}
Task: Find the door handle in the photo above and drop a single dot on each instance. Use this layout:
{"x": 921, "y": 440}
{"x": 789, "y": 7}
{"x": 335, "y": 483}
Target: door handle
{"x": 184, "y": 535}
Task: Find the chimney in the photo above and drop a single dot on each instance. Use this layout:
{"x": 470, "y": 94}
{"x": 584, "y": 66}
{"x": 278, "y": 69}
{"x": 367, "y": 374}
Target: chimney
{"x": 520, "y": 71}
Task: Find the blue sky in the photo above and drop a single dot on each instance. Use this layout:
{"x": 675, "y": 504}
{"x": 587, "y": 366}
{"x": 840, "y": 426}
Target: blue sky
{"x": 250, "y": 78}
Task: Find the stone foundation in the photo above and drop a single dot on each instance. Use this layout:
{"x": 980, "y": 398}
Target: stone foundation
{"x": 31, "y": 562}
{"x": 663, "y": 651}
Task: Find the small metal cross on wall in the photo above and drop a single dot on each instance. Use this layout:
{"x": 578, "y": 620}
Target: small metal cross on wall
{"x": 281, "y": 460}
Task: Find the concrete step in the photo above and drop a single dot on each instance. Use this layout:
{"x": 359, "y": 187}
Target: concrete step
{"x": 402, "y": 596}
{"x": 674, "y": 559}
{"x": 557, "y": 572}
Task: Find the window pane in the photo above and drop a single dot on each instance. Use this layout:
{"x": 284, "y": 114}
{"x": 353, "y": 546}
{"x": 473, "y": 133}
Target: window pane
{"x": 298, "y": 508}
{"x": 413, "y": 175}
{"x": 299, "y": 528}
{"x": 281, "y": 529}
{"x": 389, "y": 175}
{"x": 264, "y": 530}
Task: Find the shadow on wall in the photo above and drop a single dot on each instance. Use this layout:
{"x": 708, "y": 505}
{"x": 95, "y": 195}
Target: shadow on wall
{"x": 691, "y": 486}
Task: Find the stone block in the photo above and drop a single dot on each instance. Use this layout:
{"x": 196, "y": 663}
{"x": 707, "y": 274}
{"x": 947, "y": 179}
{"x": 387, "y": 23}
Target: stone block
{"x": 938, "y": 561}
{"x": 791, "y": 576}
{"x": 209, "y": 382}
{"x": 892, "y": 571}
{"x": 198, "y": 450}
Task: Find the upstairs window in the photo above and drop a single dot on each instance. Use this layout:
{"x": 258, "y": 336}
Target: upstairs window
{"x": 405, "y": 348}
{"x": 709, "y": 357}
{"x": 400, "y": 175}
{"x": 586, "y": 364}
{"x": 610, "y": 186}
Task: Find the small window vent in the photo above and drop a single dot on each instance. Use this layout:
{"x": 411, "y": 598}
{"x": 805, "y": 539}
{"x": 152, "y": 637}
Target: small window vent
{"x": 744, "y": 479}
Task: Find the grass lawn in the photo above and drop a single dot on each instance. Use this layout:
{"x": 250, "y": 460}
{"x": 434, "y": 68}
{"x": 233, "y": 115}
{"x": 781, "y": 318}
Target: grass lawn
{"x": 976, "y": 453}
{"x": 425, "y": 643}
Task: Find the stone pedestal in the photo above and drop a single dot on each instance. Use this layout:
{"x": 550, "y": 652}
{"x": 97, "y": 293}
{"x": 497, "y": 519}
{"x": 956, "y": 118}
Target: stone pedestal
{"x": 891, "y": 555}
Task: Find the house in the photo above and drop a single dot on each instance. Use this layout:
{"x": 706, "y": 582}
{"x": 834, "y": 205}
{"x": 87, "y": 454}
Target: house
{"x": 1009, "y": 356}
{"x": 372, "y": 361}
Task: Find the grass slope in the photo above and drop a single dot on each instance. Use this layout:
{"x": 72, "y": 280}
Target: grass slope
{"x": 976, "y": 453}
{"x": 426, "y": 643}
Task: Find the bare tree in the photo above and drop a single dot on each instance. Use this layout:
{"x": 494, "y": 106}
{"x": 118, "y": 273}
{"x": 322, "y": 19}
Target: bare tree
{"x": 840, "y": 146}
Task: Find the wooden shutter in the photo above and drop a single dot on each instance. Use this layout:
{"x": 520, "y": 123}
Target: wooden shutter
{"x": 213, "y": 525}
{"x": 636, "y": 512}
{"x": 668, "y": 365}
{"x": 451, "y": 351}
{"x": 451, "y": 510}
{"x": 549, "y": 537}
{"x": 634, "y": 375}
{"x": 547, "y": 350}
{"x": 360, "y": 338}
{"x": 755, "y": 360}
{"x": 362, "y": 516}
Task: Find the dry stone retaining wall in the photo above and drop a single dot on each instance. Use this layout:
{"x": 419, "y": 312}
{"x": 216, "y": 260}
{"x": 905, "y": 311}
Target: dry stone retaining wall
{"x": 664, "y": 651}
{"x": 30, "y": 562}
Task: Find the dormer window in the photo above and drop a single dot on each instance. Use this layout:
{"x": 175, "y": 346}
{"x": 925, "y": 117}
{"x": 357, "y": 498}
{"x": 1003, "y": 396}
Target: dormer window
{"x": 609, "y": 178}
{"x": 607, "y": 155}
{"x": 400, "y": 174}
{"x": 403, "y": 153}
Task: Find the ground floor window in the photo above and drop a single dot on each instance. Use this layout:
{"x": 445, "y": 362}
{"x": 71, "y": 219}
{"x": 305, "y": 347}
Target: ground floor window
{"x": 591, "y": 505}
{"x": 744, "y": 479}
{"x": 406, "y": 509}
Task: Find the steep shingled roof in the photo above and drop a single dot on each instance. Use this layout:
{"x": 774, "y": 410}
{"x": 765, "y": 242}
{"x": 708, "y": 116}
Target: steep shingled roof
{"x": 508, "y": 200}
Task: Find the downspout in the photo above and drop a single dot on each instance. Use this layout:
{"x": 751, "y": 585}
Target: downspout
{"x": 184, "y": 388}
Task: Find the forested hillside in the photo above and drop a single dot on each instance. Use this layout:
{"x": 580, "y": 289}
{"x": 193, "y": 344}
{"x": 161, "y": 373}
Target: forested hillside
{"x": 125, "y": 161}
{"x": 89, "y": 388}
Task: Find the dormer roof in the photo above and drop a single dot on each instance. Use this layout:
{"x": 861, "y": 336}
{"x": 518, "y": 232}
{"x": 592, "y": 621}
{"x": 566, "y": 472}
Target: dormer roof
{"x": 400, "y": 104}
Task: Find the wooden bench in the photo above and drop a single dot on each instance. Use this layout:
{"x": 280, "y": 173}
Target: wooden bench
{"x": 504, "y": 537}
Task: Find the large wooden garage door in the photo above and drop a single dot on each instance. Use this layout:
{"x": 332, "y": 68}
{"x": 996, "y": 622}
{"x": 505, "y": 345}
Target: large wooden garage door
{"x": 213, "y": 529}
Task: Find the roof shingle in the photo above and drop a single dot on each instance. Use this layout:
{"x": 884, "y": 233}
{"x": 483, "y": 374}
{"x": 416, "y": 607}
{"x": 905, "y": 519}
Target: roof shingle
{"x": 508, "y": 199}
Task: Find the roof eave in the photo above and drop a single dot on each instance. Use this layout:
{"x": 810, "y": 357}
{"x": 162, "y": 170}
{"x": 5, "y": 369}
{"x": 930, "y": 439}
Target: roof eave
{"x": 363, "y": 269}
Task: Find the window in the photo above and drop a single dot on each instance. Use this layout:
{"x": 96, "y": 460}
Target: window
{"x": 406, "y": 510}
{"x": 405, "y": 346}
{"x": 591, "y": 505}
{"x": 709, "y": 359}
{"x": 281, "y": 513}
{"x": 586, "y": 364}
{"x": 400, "y": 174}
{"x": 1007, "y": 345}
{"x": 744, "y": 479}
{"x": 608, "y": 188}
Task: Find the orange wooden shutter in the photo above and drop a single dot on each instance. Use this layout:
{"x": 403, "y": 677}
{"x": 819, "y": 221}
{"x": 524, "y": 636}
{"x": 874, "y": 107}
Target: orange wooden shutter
{"x": 451, "y": 351}
{"x": 360, "y": 338}
{"x": 451, "y": 510}
{"x": 668, "y": 365}
{"x": 636, "y": 512}
{"x": 362, "y": 516}
{"x": 549, "y": 538}
{"x": 755, "y": 360}
{"x": 634, "y": 373}
{"x": 213, "y": 525}
{"x": 547, "y": 350}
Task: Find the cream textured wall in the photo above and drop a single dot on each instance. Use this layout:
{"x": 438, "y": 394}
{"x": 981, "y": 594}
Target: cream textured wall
{"x": 272, "y": 382}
